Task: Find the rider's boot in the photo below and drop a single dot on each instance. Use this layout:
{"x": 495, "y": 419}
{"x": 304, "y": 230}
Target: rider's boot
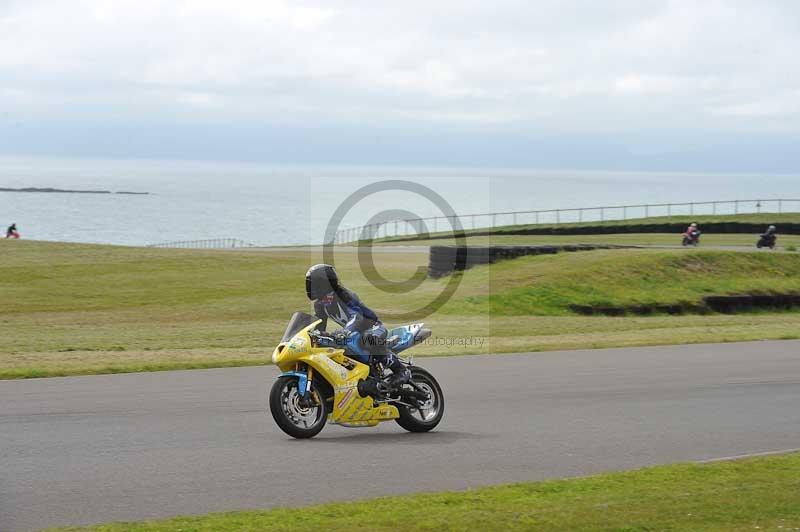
{"x": 400, "y": 374}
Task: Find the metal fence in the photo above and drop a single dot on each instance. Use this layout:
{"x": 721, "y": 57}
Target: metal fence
{"x": 214, "y": 243}
{"x": 421, "y": 226}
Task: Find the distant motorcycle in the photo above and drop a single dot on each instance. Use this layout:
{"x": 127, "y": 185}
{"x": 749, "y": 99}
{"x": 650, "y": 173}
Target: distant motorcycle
{"x": 767, "y": 240}
{"x": 691, "y": 238}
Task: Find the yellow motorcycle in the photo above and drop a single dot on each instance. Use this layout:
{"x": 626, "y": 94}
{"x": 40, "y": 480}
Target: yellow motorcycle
{"x": 324, "y": 376}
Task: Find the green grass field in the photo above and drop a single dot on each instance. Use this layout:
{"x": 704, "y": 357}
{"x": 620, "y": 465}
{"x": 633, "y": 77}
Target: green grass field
{"x": 753, "y": 494}
{"x": 549, "y": 284}
{"x": 72, "y": 309}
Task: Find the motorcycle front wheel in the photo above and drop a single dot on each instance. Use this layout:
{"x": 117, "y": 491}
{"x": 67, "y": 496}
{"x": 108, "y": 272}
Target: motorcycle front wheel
{"x": 293, "y": 416}
{"x": 430, "y": 412}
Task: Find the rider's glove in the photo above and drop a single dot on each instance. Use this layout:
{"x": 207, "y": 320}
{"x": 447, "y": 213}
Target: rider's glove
{"x": 341, "y": 336}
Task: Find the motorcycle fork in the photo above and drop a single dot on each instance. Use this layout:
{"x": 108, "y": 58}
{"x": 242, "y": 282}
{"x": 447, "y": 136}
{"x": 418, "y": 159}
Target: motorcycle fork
{"x": 306, "y": 394}
{"x": 310, "y": 373}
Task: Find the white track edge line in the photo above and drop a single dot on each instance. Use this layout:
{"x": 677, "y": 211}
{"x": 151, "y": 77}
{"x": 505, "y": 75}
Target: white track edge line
{"x": 748, "y": 455}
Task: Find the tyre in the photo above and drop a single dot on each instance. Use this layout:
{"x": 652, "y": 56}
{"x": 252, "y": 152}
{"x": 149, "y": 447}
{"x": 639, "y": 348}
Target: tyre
{"x": 292, "y": 417}
{"x": 430, "y": 414}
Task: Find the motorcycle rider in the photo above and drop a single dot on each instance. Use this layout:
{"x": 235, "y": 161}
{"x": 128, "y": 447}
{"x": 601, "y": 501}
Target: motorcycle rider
{"x": 332, "y": 300}
{"x": 692, "y": 232}
{"x": 769, "y": 236}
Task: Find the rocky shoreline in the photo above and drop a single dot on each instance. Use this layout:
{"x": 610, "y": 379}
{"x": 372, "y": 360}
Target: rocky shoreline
{"x": 49, "y": 190}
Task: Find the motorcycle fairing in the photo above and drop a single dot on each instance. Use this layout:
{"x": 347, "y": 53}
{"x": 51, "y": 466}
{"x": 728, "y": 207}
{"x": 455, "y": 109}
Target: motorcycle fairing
{"x": 356, "y": 350}
{"x": 341, "y": 372}
{"x": 406, "y": 336}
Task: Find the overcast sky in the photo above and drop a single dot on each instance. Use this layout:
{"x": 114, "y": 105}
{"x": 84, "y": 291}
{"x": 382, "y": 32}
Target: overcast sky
{"x": 660, "y": 85}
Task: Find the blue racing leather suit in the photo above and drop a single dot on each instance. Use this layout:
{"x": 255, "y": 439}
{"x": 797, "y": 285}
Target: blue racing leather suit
{"x": 345, "y": 308}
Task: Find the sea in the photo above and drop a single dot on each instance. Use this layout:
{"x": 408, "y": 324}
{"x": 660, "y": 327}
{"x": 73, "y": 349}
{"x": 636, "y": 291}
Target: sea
{"x": 277, "y": 205}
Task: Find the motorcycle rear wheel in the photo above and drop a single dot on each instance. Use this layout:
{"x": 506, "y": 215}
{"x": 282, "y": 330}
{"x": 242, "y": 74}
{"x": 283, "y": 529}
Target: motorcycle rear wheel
{"x": 292, "y": 417}
{"x": 430, "y": 413}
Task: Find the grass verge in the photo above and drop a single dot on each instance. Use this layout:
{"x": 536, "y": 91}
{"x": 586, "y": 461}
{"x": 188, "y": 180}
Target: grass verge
{"x": 551, "y": 284}
{"x": 69, "y": 309}
{"x": 757, "y": 493}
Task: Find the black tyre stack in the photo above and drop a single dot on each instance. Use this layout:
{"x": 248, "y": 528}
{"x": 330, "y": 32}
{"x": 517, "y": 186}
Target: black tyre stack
{"x": 444, "y": 260}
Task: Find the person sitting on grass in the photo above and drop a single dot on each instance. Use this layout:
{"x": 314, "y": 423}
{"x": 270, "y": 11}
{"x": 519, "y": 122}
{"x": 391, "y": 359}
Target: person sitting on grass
{"x": 12, "y": 232}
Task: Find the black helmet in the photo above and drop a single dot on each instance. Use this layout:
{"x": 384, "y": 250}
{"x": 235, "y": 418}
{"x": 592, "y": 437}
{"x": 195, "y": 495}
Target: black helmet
{"x": 321, "y": 279}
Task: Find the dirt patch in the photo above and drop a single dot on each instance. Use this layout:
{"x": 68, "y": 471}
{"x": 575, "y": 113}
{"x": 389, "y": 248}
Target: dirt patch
{"x": 725, "y": 304}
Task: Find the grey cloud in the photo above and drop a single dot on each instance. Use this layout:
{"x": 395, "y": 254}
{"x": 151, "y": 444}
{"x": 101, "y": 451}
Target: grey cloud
{"x": 577, "y": 70}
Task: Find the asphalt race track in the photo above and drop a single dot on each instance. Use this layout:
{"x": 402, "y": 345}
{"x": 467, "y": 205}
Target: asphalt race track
{"x": 139, "y": 446}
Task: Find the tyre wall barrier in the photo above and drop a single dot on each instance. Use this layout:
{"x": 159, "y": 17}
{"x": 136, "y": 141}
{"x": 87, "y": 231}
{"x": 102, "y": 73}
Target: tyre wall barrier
{"x": 444, "y": 260}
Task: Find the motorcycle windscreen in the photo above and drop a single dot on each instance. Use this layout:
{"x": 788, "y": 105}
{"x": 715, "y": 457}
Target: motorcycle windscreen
{"x": 298, "y": 322}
